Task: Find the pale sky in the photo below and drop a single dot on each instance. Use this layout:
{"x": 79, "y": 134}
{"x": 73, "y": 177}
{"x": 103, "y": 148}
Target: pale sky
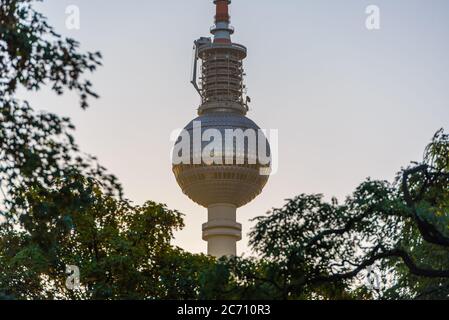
{"x": 349, "y": 103}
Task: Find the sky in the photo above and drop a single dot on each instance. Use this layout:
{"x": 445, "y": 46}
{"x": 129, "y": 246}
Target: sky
{"x": 349, "y": 102}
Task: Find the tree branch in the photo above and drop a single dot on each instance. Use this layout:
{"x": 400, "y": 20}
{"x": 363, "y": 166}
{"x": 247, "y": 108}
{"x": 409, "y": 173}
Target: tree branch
{"x": 429, "y": 232}
{"x": 395, "y": 253}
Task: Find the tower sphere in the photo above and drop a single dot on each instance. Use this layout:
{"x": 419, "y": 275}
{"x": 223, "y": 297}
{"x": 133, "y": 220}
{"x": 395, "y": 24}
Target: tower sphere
{"x": 236, "y": 183}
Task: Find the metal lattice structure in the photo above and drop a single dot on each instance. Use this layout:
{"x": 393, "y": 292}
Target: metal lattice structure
{"x": 222, "y": 73}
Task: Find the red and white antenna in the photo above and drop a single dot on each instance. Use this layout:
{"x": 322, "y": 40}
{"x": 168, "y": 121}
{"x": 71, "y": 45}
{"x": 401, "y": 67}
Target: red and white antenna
{"x": 222, "y": 29}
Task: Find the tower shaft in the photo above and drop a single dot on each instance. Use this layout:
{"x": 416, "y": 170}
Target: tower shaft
{"x": 222, "y": 231}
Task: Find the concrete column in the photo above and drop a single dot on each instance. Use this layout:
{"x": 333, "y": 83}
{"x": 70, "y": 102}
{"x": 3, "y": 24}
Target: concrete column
{"x": 222, "y": 230}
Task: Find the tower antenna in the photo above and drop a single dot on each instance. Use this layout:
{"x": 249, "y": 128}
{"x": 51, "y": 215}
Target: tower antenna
{"x": 222, "y": 29}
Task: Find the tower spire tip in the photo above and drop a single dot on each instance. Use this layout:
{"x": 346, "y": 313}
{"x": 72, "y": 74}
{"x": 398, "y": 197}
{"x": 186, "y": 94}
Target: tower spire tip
{"x": 222, "y": 29}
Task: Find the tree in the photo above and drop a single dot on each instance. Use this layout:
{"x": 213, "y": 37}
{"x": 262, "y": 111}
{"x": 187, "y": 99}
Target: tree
{"x": 59, "y": 206}
{"x": 122, "y": 251}
{"x": 37, "y": 150}
{"x": 312, "y": 249}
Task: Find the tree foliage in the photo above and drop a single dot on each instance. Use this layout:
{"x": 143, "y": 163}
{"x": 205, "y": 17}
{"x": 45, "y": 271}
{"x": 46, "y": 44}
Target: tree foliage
{"x": 33, "y": 55}
{"x": 313, "y": 249}
{"x": 60, "y": 207}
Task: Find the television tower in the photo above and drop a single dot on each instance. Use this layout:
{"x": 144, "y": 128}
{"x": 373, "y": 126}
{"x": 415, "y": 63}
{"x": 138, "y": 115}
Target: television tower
{"x": 222, "y": 186}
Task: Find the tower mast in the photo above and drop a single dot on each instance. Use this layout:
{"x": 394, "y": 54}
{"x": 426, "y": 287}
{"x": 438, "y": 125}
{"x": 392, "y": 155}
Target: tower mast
{"x": 222, "y": 30}
{"x": 221, "y": 84}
